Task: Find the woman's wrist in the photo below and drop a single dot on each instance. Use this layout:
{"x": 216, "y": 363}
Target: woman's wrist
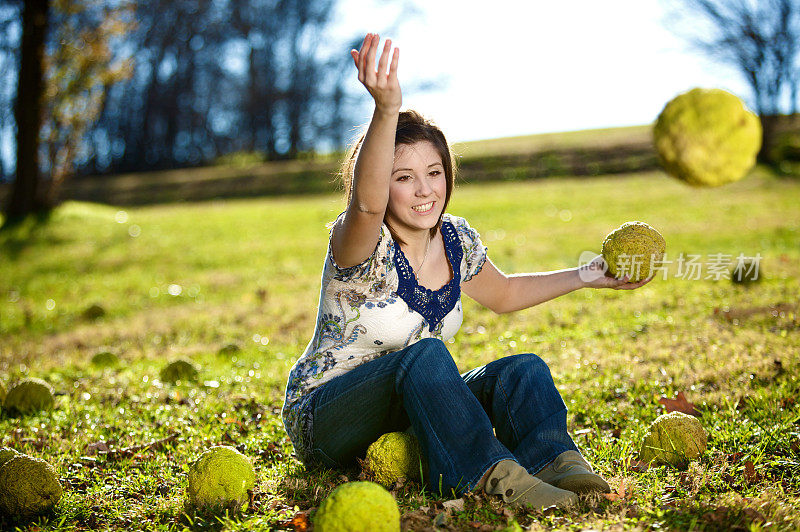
{"x": 387, "y": 111}
{"x": 580, "y": 278}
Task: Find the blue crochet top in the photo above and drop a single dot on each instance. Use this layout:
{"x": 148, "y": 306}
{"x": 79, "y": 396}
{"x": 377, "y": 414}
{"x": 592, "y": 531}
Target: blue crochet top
{"x": 433, "y": 305}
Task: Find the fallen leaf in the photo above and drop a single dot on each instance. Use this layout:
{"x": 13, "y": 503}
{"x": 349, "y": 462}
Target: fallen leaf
{"x": 455, "y": 504}
{"x": 618, "y": 495}
{"x": 415, "y": 520}
{"x": 679, "y": 404}
{"x": 735, "y": 457}
{"x": 229, "y": 420}
{"x": 299, "y": 523}
{"x": 750, "y": 472}
{"x": 94, "y": 448}
{"x": 398, "y": 484}
{"x": 638, "y": 466}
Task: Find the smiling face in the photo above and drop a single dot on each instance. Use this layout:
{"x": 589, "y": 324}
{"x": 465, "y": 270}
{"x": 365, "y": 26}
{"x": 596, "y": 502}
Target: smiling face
{"x": 418, "y": 188}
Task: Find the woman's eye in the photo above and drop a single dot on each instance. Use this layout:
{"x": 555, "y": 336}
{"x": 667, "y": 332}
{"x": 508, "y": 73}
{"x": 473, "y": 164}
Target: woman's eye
{"x": 404, "y": 178}
{"x": 435, "y": 172}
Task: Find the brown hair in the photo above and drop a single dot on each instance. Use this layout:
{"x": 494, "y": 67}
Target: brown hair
{"x": 412, "y": 127}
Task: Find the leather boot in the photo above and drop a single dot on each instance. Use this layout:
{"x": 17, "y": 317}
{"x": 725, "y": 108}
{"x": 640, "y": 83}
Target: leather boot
{"x": 518, "y": 487}
{"x": 571, "y": 472}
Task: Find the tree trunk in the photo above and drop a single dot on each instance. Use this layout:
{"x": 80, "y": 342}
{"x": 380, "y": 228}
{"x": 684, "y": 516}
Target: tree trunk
{"x": 25, "y": 194}
{"x": 768, "y": 127}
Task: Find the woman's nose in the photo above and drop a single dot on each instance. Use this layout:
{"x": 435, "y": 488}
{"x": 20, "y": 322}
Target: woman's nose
{"x": 423, "y": 187}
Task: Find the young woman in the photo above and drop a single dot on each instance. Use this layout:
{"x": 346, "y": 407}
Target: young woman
{"x": 391, "y": 287}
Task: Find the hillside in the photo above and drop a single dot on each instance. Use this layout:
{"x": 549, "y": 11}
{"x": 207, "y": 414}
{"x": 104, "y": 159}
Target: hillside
{"x": 581, "y": 153}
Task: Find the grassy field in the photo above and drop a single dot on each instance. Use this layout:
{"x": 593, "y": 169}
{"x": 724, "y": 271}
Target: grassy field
{"x": 185, "y": 280}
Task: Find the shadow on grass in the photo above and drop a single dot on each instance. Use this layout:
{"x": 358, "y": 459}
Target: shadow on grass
{"x": 18, "y": 233}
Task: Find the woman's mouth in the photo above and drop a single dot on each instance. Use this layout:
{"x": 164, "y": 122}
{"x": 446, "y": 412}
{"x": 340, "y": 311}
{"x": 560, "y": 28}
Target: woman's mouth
{"x": 424, "y": 208}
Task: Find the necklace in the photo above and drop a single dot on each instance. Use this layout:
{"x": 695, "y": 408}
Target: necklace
{"x": 427, "y": 248}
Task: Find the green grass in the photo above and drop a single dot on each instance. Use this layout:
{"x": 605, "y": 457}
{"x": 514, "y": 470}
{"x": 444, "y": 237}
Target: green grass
{"x": 185, "y": 280}
{"x": 583, "y": 139}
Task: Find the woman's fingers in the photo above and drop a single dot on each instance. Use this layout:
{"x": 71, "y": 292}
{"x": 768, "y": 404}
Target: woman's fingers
{"x": 626, "y": 285}
{"x": 370, "y": 54}
{"x": 360, "y": 56}
{"x": 363, "y": 56}
{"x": 384, "y": 87}
{"x": 382, "y": 64}
{"x": 393, "y": 66}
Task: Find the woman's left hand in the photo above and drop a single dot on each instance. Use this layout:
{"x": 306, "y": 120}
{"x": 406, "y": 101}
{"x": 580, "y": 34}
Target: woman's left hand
{"x": 595, "y": 274}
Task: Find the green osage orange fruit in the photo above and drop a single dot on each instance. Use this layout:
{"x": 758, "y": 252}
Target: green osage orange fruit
{"x": 28, "y": 486}
{"x": 29, "y": 396}
{"x": 707, "y": 137}
{"x": 179, "y": 371}
{"x": 220, "y": 477}
{"x": 674, "y": 439}
{"x": 358, "y": 506}
{"x": 634, "y": 249}
{"x": 394, "y": 455}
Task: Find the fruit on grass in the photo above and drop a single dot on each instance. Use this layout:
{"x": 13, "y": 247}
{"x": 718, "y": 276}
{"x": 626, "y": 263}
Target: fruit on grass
{"x": 634, "y": 249}
{"x": 6, "y": 454}
{"x": 29, "y": 396}
{"x": 105, "y": 359}
{"x": 228, "y": 350}
{"x": 674, "y": 439}
{"x": 392, "y": 456}
{"x": 94, "y": 311}
{"x": 358, "y": 506}
{"x": 179, "y": 370}
{"x": 220, "y": 477}
{"x": 706, "y": 137}
{"x": 28, "y": 486}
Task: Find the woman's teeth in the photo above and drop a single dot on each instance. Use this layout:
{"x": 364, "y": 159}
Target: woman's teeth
{"x": 423, "y": 208}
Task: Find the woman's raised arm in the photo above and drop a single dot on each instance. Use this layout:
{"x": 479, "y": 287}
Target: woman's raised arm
{"x": 354, "y": 238}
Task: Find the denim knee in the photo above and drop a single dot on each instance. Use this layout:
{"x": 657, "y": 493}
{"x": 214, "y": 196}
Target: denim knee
{"x": 428, "y": 348}
{"x": 426, "y": 344}
{"x": 429, "y": 355}
{"x": 528, "y": 371}
{"x": 527, "y": 364}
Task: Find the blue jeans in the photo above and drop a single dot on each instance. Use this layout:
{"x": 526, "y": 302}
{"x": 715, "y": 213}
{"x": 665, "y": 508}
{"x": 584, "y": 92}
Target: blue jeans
{"x": 507, "y": 409}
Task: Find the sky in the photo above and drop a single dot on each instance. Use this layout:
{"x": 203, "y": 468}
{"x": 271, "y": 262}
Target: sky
{"x": 506, "y": 68}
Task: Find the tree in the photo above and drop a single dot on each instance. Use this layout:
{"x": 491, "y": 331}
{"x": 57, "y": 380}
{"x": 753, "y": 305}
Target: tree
{"x": 761, "y": 39}
{"x": 25, "y": 197}
{"x": 80, "y": 70}
{"x": 60, "y": 91}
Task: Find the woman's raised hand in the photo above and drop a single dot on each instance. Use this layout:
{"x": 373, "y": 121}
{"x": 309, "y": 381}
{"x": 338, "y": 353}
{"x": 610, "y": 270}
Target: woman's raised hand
{"x": 384, "y": 88}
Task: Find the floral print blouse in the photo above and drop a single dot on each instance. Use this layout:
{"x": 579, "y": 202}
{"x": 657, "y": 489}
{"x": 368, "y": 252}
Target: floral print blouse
{"x": 374, "y": 308}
